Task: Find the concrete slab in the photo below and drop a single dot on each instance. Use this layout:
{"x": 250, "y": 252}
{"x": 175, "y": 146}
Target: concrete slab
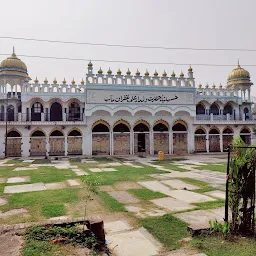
{"x": 12, "y": 212}
{"x": 172, "y": 204}
{"x": 155, "y": 213}
{"x": 24, "y": 188}
{"x": 87, "y": 161}
{"x": 3, "y": 201}
{"x": 73, "y": 183}
{"x": 131, "y": 208}
{"x": 108, "y": 169}
{"x": 55, "y": 185}
{"x": 60, "y": 218}
{"x": 123, "y": 197}
{"x": 25, "y": 169}
{"x": 131, "y": 243}
{"x": 115, "y": 164}
{"x": 18, "y": 179}
{"x": 218, "y": 186}
{"x": 216, "y": 193}
{"x": 28, "y": 161}
{"x": 116, "y": 226}
{"x": 138, "y": 166}
{"x": 2, "y": 180}
{"x": 126, "y": 185}
{"x": 95, "y": 169}
{"x": 189, "y": 196}
{"x": 81, "y": 173}
{"x": 156, "y": 186}
{"x": 106, "y": 188}
{"x": 179, "y": 184}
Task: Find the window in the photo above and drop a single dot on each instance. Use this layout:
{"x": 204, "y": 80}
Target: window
{"x": 37, "y": 107}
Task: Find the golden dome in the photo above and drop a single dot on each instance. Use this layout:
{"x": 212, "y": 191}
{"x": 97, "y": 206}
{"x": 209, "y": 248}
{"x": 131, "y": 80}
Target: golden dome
{"x": 155, "y": 74}
{"x": 36, "y": 80}
{"x": 119, "y": 72}
{"x": 213, "y": 86}
{"x": 90, "y": 64}
{"x": 190, "y": 69}
{"x": 173, "y": 74}
{"x": 128, "y": 73}
{"x": 14, "y": 66}
{"x": 45, "y": 81}
{"x": 181, "y": 74}
{"x": 146, "y": 73}
{"x": 164, "y": 74}
{"x": 55, "y": 81}
{"x": 100, "y": 71}
{"x": 137, "y": 72}
{"x": 207, "y": 86}
{"x": 239, "y": 72}
{"x": 73, "y": 81}
{"x": 63, "y": 82}
{"x": 109, "y": 71}
{"x": 200, "y": 86}
{"x": 82, "y": 82}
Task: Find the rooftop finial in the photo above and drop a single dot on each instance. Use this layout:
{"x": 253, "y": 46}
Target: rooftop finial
{"x": 238, "y": 64}
{"x": 13, "y": 50}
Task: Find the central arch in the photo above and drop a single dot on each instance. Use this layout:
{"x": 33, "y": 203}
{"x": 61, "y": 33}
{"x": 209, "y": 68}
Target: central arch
{"x": 121, "y": 136}
{"x": 214, "y": 140}
{"x": 180, "y": 137}
{"x": 200, "y": 140}
{"x": 101, "y": 138}
{"x": 37, "y": 143}
{"x": 75, "y": 142}
{"x": 13, "y": 144}
{"x": 141, "y": 137}
{"x": 57, "y": 143}
{"x": 56, "y": 112}
{"x": 161, "y": 137}
{"x": 36, "y": 110}
{"x": 227, "y": 138}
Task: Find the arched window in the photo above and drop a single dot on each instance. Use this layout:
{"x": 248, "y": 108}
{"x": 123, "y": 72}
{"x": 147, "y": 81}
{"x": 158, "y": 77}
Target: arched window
{"x": 246, "y": 112}
{"x": 213, "y": 131}
{"x": 214, "y": 109}
{"x": 228, "y": 109}
{"x": 74, "y": 133}
{"x": 200, "y": 110}
{"x": 140, "y": 127}
{"x": 37, "y": 133}
{"x": 121, "y": 128}
{"x": 36, "y": 111}
{"x": 179, "y": 127}
{"x": 227, "y": 131}
{"x": 10, "y": 113}
{"x": 100, "y": 128}
{"x": 13, "y": 134}
{"x": 74, "y": 112}
{"x": 160, "y": 127}
{"x": 200, "y": 131}
{"x": 56, "y": 112}
{"x": 56, "y": 133}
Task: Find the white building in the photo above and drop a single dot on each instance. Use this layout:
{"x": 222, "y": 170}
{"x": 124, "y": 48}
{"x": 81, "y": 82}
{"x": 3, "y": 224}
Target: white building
{"x": 120, "y": 114}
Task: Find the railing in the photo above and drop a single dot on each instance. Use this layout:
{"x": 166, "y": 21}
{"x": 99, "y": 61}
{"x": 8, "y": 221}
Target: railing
{"x": 226, "y": 117}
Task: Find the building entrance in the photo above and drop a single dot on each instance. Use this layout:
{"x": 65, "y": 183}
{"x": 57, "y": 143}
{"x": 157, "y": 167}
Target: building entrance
{"x": 141, "y": 142}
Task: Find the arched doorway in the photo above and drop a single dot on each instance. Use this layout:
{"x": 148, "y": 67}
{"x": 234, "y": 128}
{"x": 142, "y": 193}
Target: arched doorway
{"x": 74, "y": 112}
{"x": 75, "y": 143}
{"x": 121, "y": 138}
{"x": 13, "y": 144}
{"x": 36, "y": 110}
{"x": 245, "y": 135}
{"x": 161, "y": 137}
{"x": 200, "y": 109}
{"x": 101, "y": 138}
{"x": 214, "y": 109}
{"x": 57, "y": 143}
{"x": 38, "y": 143}
{"x": 56, "y": 112}
{"x": 180, "y": 137}
{"x": 214, "y": 140}
{"x": 141, "y": 137}
{"x": 200, "y": 140}
{"x": 227, "y": 138}
{"x": 10, "y": 113}
{"x": 228, "y": 109}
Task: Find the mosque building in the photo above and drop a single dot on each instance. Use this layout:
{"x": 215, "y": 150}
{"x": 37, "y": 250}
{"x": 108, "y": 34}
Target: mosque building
{"x": 120, "y": 114}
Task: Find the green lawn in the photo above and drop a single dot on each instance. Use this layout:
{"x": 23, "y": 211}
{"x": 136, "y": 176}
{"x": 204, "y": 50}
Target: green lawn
{"x": 210, "y": 204}
{"x": 146, "y": 194}
{"x": 213, "y": 167}
{"x": 53, "y": 210}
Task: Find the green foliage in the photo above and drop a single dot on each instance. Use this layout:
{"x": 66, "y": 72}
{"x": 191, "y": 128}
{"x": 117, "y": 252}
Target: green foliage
{"x": 53, "y": 210}
{"x": 146, "y": 194}
{"x": 216, "y": 226}
{"x": 167, "y": 229}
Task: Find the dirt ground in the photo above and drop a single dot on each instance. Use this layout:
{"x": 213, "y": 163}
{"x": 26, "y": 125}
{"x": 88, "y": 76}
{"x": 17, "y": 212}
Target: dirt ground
{"x": 10, "y": 244}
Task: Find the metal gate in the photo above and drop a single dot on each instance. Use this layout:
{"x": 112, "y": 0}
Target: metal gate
{"x": 200, "y": 143}
{"x": 227, "y": 141}
{"x": 180, "y": 143}
{"x": 161, "y": 142}
{"x": 38, "y": 146}
{"x": 57, "y": 146}
{"x": 13, "y": 147}
{"x": 100, "y": 144}
{"x": 75, "y": 145}
{"x": 214, "y": 143}
{"x": 122, "y": 144}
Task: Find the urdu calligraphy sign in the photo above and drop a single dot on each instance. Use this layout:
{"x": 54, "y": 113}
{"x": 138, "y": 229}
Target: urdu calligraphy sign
{"x": 139, "y": 97}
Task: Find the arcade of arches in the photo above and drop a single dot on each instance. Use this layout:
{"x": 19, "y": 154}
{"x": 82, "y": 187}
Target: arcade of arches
{"x": 122, "y": 139}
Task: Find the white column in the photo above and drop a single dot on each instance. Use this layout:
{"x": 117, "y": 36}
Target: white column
{"x": 170, "y": 142}
{"x": 207, "y": 143}
{"x": 42, "y": 117}
{"x": 47, "y": 145}
{"x": 25, "y": 145}
{"x": 64, "y": 117}
{"x": 191, "y": 141}
{"x": 131, "y": 141}
{"x": 221, "y": 142}
{"x": 87, "y": 141}
{"x": 111, "y": 141}
{"x": 151, "y": 141}
{"x": 19, "y": 117}
{"x": 66, "y": 145}
{"x": 29, "y": 114}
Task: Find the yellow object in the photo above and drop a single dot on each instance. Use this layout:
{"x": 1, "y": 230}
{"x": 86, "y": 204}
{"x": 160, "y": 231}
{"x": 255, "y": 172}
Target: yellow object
{"x": 160, "y": 155}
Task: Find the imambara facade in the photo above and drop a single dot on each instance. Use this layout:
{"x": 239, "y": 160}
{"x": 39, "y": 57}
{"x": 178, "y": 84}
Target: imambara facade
{"x": 120, "y": 114}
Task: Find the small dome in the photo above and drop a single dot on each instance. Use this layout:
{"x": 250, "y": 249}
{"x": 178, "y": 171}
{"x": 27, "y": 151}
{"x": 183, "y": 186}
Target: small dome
{"x": 73, "y": 81}
{"x": 128, "y": 73}
{"x": 200, "y": 86}
{"x": 181, "y": 74}
{"x": 100, "y": 71}
{"x": 173, "y": 74}
{"x": 207, "y": 86}
{"x": 238, "y": 72}
{"x": 82, "y": 82}
{"x": 146, "y": 73}
{"x": 90, "y": 64}
{"x": 63, "y": 82}
{"x": 119, "y": 72}
{"x": 55, "y": 81}
{"x": 155, "y": 74}
{"x": 36, "y": 80}
{"x": 45, "y": 81}
{"x": 164, "y": 74}
{"x": 137, "y": 72}
{"x": 213, "y": 86}
{"x": 109, "y": 71}
{"x": 190, "y": 69}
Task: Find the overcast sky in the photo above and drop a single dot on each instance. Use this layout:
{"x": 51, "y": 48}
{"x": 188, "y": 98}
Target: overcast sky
{"x": 170, "y": 23}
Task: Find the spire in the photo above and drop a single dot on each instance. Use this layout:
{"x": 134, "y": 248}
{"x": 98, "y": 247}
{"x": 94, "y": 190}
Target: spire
{"x": 238, "y": 64}
{"x": 13, "y": 50}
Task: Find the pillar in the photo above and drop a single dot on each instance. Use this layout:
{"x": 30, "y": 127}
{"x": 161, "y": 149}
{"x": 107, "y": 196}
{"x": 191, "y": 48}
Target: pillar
{"x": 221, "y": 142}
{"x": 66, "y": 145}
{"x": 207, "y": 143}
{"x": 111, "y": 141}
{"x": 170, "y": 142}
{"x": 191, "y": 141}
{"x": 25, "y": 145}
{"x": 87, "y": 141}
{"x": 151, "y": 141}
{"x": 131, "y": 141}
{"x": 47, "y": 145}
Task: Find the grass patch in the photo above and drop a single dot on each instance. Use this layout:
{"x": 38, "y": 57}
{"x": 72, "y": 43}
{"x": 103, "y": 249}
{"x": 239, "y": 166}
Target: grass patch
{"x": 210, "y": 204}
{"x": 42, "y": 161}
{"x": 167, "y": 229}
{"x": 197, "y": 183}
{"x": 146, "y": 194}
{"x": 53, "y": 210}
{"x": 217, "y": 245}
{"x": 214, "y": 167}
{"x": 204, "y": 189}
{"x": 111, "y": 203}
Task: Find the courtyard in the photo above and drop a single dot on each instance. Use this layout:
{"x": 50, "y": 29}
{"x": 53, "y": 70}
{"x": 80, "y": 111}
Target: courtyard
{"x": 146, "y": 204}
